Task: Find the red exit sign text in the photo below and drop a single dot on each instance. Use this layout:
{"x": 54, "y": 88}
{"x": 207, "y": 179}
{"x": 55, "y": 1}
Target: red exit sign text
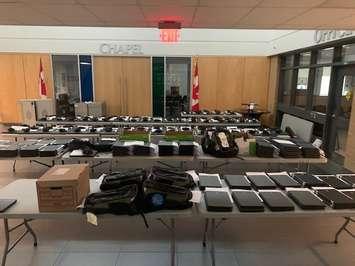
{"x": 169, "y": 35}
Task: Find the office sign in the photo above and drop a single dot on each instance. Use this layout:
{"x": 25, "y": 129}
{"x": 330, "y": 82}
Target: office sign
{"x": 330, "y": 35}
{"x": 120, "y": 49}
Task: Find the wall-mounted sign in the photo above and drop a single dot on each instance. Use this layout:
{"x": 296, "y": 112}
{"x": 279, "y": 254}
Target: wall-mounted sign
{"x": 330, "y": 35}
{"x": 121, "y": 49}
{"x": 169, "y": 35}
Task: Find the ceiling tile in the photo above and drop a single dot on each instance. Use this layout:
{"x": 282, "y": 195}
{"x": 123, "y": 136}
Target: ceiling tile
{"x": 339, "y": 3}
{"x": 176, "y": 13}
{"x": 221, "y": 17}
{"x": 167, "y": 2}
{"x": 25, "y": 15}
{"x": 68, "y": 14}
{"x": 344, "y": 24}
{"x": 290, "y": 3}
{"x": 269, "y": 17}
{"x": 115, "y": 13}
{"x": 45, "y": 1}
{"x": 319, "y": 16}
{"x": 229, "y": 3}
{"x": 107, "y": 2}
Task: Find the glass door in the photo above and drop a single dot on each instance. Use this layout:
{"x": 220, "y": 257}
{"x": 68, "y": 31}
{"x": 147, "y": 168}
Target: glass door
{"x": 177, "y": 86}
{"x": 340, "y": 106}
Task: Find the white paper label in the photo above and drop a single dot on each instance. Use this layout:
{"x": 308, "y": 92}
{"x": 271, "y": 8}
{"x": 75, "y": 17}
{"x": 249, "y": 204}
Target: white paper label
{"x": 196, "y": 196}
{"x": 61, "y": 171}
{"x": 91, "y": 218}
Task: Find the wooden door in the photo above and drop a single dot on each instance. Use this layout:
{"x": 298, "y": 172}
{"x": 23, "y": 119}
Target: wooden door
{"x": 137, "y": 86}
{"x": 12, "y": 87}
{"x": 108, "y": 80}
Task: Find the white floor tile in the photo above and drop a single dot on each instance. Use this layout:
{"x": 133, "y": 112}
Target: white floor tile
{"x": 87, "y": 259}
{"x": 146, "y": 259}
{"x": 105, "y": 246}
{"x": 27, "y": 258}
{"x": 283, "y": 257}
{"x": 204, "y": 259}
{"x": 142, "y": 246}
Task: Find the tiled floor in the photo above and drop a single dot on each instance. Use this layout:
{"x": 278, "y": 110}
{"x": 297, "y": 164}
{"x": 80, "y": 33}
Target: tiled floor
{"x": 242, "y": 242}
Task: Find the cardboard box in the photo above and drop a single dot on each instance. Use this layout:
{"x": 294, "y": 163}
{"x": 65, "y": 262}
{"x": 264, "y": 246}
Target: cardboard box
{"x": 63, "y": 187}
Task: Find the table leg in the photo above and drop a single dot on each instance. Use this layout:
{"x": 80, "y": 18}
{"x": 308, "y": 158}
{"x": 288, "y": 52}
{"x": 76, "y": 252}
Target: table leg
{"x": 8, "y": 248}
{"x": 7, "y": 242}
{"x": 212, "y": 231}
{"x": 205, "y": 233}
{"x": 343, "y": 228}
{"x": 30, "y": 230}
{"x": 14, "y": 167}
{"x": 308, "y": 167}
{"x": 173, "y": 242}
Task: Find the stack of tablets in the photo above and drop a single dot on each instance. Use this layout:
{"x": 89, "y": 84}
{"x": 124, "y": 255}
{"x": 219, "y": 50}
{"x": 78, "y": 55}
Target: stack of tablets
{"x": 264, "y": 149}
{"x": 168, "y": 148}
{"x": 287, "y": 148}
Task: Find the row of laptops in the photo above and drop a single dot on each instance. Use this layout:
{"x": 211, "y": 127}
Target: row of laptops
{"x": 278, "y": 191}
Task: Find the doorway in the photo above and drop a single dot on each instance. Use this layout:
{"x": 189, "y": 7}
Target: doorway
{"x": 340, "y": 106}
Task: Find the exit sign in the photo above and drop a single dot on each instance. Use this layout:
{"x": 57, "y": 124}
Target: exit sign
{"x": 169, "y": 35}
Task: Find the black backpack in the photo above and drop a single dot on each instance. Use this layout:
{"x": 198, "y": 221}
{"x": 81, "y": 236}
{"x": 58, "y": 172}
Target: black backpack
{"x": 125, "y": 177}
{"x": 219, "y": 143}
{"x": 171, "y": 177}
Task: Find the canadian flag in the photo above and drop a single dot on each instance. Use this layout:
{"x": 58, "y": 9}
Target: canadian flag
{"x": 42, "y": 83}
{"x": 195, "y": 91}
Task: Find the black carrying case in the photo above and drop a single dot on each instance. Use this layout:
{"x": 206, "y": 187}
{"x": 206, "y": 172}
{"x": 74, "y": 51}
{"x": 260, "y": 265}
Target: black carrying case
{"x": 10, "y": 150}
{"x": 167, "y": 148}
{"x": 284, "y": 180}
{"x": 306, "y": 200}
{"x": 209, "y": 181}
{"x": 30, "y": 150}
{"x": 261, "y": 181}
{"x": 218, "y": 201}
{"x": 237, "y": 182}
{"x": 335, "y": 198}
{"x": 186, "y": 148}
{"x": 308, "y": 180}
{"x": 51, "y": 150}
{"x": 276, "y": 201}
{"x": 335, "y": 182}
{"x": 349, "y": 179}
{"x": 247, "y": 201}
{"x": 119, "y": 149}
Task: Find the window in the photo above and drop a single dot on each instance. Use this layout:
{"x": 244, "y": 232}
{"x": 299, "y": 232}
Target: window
{"x": 177, "y": 87}
{"x": 66, "y": 83}
{"x": 286, "y": 86}
{"x": 348, "y": 53}
{"x": 321, "y": 89}
{"x": 301, "y": 87}
{"x": 325, "y": 56}
{"x": 287, "y": 61}
{"x": 305, "y": 59}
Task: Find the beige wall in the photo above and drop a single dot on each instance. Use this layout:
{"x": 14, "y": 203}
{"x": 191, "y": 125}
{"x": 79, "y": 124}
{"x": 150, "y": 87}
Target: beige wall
{"x": 19, "y": 75}
{"x": 124, "y": 83}
{"x": 228, "y": 82}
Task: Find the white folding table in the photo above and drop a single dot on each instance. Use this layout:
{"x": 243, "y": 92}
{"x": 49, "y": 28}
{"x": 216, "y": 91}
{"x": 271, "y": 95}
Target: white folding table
{"x": 26, "y": 209}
